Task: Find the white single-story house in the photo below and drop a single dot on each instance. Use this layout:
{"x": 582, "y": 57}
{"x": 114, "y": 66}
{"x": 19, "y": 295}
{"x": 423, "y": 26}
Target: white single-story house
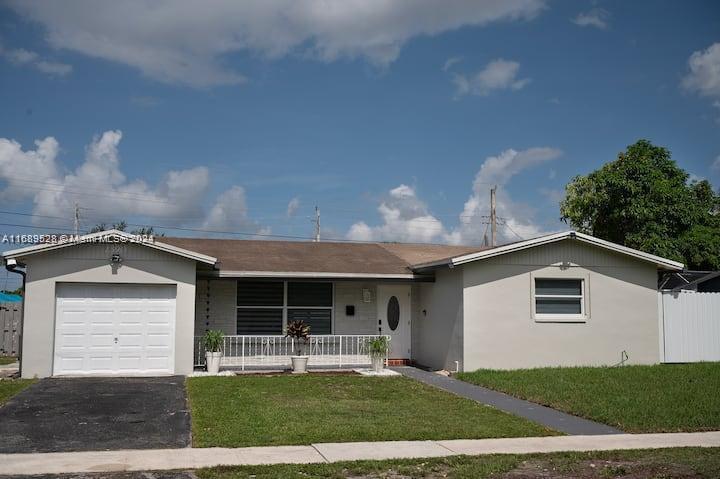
{"x": 110, "y": 304}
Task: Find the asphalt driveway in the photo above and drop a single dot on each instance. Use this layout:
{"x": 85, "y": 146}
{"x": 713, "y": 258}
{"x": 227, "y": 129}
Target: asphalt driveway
{"x": 92, "y": 414}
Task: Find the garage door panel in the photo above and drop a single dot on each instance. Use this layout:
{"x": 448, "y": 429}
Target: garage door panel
{"x": 159, "y": 340}
{"x": 111, "y": 329}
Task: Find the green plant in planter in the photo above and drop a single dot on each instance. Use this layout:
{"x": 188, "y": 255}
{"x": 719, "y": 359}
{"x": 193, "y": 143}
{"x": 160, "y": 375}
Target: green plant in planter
{"x": 299, "y": 330}
{"x": 213, "y": 340}
{"x": 378, "y": 347}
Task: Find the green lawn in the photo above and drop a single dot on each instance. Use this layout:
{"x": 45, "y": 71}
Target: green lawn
{"x": 690, "y": 463}
{"x": 7, "y": 360}
{"x": 271, "y": 410}
{"x": 10, "y": 387}
{"x": 662, "y": 398}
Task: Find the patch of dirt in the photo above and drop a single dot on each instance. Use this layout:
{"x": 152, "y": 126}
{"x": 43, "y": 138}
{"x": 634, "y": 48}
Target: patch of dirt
{"x": 440, "y": 471}
{"x": 600, "y": 470}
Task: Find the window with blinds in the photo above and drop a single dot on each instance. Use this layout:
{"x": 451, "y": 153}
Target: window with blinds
{"x": 265, "y": 307}
{"x": 559, "y": 298}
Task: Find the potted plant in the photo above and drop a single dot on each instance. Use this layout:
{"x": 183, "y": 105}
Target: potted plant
{"x": 299, "y": 331}
{"x": 378, "y": 349}
{"x": 213, "y": 350}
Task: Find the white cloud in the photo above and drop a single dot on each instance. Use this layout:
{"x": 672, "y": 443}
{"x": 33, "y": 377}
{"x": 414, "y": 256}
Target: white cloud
{"x": 553, "y": 195}
{"x": 184, "y": 41}
{"x": 715, "y": 166}
{"x": 106, "y": 194}
{"x": 405, "y": 218}
{"x": 230, "y": 213}
{"x": 596, "y": 17}
{"x": 498, "y": 170}
{"x": 704, "y": 72}
{"x": 499, "y": 74}
{"x": 450, "y": 62}
{"x": 20, "y": 56}
{"x": 293, "y": 206}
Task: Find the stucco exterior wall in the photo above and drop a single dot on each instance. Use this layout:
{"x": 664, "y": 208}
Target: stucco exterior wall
{"x": 501, "y": 333}
{"x": 438, "y": 327}
{"x": 90, "y": 263}
{"x": 216, "y": 306}
{"x": 365, "y": 319}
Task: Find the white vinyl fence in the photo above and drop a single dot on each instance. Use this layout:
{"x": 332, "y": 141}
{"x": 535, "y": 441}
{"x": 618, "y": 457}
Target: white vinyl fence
{"x": 689, "y": 326}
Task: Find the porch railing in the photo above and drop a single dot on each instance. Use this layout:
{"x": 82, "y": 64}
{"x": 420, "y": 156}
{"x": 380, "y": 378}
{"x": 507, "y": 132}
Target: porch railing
{"x": 331, "y": 350}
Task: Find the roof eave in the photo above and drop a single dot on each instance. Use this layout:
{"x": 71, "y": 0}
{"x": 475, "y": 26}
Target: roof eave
{"x": 660, "y": 263}
{"x": 321, "y": 275}
{"x": 89, "y": 238}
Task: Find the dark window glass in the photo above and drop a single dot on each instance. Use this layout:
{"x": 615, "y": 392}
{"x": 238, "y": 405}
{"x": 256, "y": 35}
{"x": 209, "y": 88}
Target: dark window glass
{"x": 393, "y": 313}
{"x": 319, "y": 320}
{"x": 310, "y": 294}
{"x": 259, "y": 321}
{"x": 558, "y": 306}
{"x": 559, "y": 287}
{"x": 260, "y": 293}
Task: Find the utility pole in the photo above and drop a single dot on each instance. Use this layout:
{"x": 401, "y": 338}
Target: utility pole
{"x": 317, "y": 224}
{"x": 493, "y": 217}
{"x": 77, "y": 219}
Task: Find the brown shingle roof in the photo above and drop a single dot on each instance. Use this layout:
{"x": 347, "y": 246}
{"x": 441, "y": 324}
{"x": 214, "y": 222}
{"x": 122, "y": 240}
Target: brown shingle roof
{"x": 424, "y": 253}
{"x": 323, "y": 257}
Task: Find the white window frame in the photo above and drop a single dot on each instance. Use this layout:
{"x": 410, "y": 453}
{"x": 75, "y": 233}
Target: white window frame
{"x": 560, "y": 317}
{"x": 285, "y": 306}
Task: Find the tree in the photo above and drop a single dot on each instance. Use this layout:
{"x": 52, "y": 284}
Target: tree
{"x": 643, "y": 200}
{"x": 122, "y": 226}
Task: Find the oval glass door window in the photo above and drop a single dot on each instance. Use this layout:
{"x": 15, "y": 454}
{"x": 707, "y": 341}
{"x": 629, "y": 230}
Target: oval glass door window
{"x": 393, "y": 313}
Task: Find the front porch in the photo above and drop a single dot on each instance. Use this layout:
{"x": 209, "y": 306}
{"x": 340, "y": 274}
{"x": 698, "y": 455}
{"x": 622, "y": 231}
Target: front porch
{"x": 343, "y": 316}
{"x": 253, "y": 352}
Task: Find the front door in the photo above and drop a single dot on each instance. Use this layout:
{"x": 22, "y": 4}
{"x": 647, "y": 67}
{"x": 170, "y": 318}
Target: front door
{"x": 394, "y": 318}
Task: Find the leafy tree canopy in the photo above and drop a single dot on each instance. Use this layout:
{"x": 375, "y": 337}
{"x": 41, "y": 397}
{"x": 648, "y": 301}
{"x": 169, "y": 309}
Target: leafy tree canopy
{"x": 643, "y": 200}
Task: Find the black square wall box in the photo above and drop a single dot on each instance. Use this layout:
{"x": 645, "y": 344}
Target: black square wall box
{"x": 350, "y": 310}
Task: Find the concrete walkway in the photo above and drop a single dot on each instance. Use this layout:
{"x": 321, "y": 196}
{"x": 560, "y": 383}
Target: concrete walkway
{"x": 554, "y": 419}
{"x": 190, "y": 458}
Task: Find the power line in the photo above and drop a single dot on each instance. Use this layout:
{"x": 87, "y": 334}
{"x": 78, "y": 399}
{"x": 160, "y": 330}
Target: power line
{"x": 504, "y": 223}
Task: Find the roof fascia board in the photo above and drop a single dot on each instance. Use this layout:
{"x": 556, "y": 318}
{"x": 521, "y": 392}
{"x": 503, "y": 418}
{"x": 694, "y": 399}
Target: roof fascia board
{"x": 318, "y": 274}
{"x": 90, "y": 238}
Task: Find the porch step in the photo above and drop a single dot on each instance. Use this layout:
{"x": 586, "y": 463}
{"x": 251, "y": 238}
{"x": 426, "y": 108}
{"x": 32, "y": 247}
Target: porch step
{"x": 399, "y": 362}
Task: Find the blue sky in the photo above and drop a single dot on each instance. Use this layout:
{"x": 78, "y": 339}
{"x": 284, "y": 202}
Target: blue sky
{"x": 395, "y": 118}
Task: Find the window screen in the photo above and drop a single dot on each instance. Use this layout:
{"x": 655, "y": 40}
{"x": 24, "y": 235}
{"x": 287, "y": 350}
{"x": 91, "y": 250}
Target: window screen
{"x": 259, "y": 321}
{"x": 260, "y": 293}
{"x": 559, "y": 297}
{"x": 319, "y": 320}
{"x": 261, "y": 306}
{"x": 310, "y": 294}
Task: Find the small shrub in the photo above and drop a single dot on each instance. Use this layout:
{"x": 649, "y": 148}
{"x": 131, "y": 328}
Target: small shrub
{"x": 213, "y": 340}
{"x": 299, "y": 330}
{"x": 378, "y": 347}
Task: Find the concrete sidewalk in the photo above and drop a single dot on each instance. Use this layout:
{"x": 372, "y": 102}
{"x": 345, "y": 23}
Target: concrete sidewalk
{"x": 190, "y": 458}
{"x": 552, "y": 418}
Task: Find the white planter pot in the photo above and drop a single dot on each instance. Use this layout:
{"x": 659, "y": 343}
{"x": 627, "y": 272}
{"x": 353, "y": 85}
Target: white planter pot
{"x": 299, "y": 364}
{"x": 212, "y": 360}
{"x": 378, "y": 363}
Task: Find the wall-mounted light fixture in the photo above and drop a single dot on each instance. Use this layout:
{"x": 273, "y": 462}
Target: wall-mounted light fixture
{"x": 115, "y": 258}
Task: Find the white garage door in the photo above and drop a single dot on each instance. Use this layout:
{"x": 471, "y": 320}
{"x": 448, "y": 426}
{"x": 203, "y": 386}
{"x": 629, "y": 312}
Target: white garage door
{"x": 114, "y": 329}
